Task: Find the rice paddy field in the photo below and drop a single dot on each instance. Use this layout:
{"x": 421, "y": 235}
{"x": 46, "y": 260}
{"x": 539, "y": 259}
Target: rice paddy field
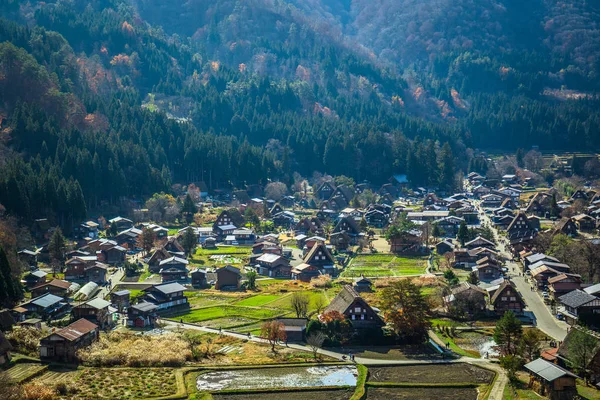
{"x": 380, "y": 265}
{"x": 115, "y": 383}
{"x": 342, "y": 394}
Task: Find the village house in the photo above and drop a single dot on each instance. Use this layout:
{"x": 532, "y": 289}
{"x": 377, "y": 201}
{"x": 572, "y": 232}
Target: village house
{"x": 128, "y": 238}
{"x": 507, "y": 298}
{"x": 95, "y": 310}
{"x": 349, "y": 226}
{"x": 142, "y": 314}
{"x": 56, "y": 287}
{"x": 445, "y": 246}
{"x": 309, "y": 226}
{"x": 356, "y": 310}
{"x": 540, "y": 205}
{"x": 75, "y": 267}
{"x": 480, "y": 242}
{"x": 562, "y": 284}
{"x": 120, "y": 300}
{"x": 541, "y": 275}
{"x": 584, "y": 222}
{"x": 96, "y": 273}
{"x": 320, "y": 257}
{"x": 534, "y": 258}
{"x": 581, "y": 307}
{"x": 121, "y": 223}
{"x": 28, "y": 257}
{"x": 166, "y": 295}
{"x": 228, "y": 278}
{"x": 427, "y": 215}
{"x": 285, "y": 219}
{"x": 550, "y": 380}
{"x": 340, "y": 240}
{"x": 198, "y": 278}
{"x": 449, "y": 225}
{"x": 114, "y": 255}
{"x": 294, "y": 328}
{"x": 491, "y": 200}
{"x": 566, "y": 226}
{"x": 488, "y": 269}
{"x": 377, "y": 218}
{"x": 273, "y": 265}
{"x": 35, "y": 278}
{"x": 363, "y": 284}
{"x": 88, "y": 229}
{"x": 157, "y": 256}
{"x": 173, "y": 269}
{"x": 63, "y": 344}
{"x": 467, "y": 298}
{"x": 409, "y": 242}
{"x": 325, "y": 191}
{"x": 305, "y": 272}
{"x": 46, "y": 306}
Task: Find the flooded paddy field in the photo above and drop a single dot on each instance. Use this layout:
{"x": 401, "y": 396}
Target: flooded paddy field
{"x": 275, "y": 378}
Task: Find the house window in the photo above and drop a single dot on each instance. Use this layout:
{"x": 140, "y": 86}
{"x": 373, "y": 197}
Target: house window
{"x": 513, "y": 299}
{"x": 503, "y": 299}
{"x": 356, "y": 309}
{"x": 353, "y": 317}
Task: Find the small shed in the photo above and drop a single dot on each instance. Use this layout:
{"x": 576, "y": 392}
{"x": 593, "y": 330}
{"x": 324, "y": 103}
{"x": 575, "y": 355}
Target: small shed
{"x": 198, "y": 277}
{"x": 362, "y": 284}
{"x": 548, "y": 379}
{"x": 295, "y": 328}
{"x": 120, "y": 299}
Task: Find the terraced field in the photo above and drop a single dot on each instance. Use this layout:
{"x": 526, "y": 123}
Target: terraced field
{"x": 23, "y": 371}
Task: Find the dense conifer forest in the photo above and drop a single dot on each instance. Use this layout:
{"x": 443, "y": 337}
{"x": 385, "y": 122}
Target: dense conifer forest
{"x": 114, "y": 98}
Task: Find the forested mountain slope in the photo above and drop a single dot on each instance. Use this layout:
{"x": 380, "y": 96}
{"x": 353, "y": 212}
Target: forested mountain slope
{"x": 107, "y": 98}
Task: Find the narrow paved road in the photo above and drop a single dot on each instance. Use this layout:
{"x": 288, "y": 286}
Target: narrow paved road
{"x": 544, "y": 320}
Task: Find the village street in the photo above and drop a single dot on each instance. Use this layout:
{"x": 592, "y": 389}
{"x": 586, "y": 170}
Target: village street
{"x": 544, "y": 320}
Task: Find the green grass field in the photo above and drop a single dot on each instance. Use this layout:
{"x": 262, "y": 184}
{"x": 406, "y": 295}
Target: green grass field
{"x": 227, "y": 311}
{"x": 242, "y": 250}
{"x": 379, "y": 265}
{"x": 257, "y": 301}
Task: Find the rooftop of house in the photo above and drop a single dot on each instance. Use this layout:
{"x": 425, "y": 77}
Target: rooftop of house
{"x": 576, "y": 298}
{"x": 46, "y": 300}
{"x": 169, "y": 287}
{"x": 547, "y": 370}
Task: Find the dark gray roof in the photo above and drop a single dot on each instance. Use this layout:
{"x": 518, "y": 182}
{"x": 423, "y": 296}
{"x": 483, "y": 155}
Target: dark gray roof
{"x": 546, "y": 370}
{"x": 145, "y": 306}
{"x": 576, "y": 298}
{"x": 122, "y": 293}
{"x": 171, "y": 287}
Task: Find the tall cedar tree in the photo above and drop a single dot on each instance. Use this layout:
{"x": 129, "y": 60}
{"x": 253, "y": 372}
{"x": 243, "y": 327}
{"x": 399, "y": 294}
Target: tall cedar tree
{"x": 463, "y": 233}
{"x": 189, "y": 240}
{"x": 406, "y": 309}
{"x": 10, "y": 288}
{"x": 188, "y": 209}
{"x": 57, "y": 246}
{"x": 507, "y": 333}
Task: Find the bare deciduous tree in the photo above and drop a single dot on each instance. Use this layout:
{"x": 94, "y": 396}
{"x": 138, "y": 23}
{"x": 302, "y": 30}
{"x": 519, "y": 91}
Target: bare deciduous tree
{"x": 315, "y": 341}
{"x": 300, "y": 303}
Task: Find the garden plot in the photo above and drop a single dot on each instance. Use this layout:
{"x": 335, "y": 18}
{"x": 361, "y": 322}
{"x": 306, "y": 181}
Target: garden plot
{"x": 441, "y": 373}
{"x": 378, "y": 393}
{"x": 126, "y": 383}
{"x": 274, "y": 378}
{"x": 225, "y": 259}
{"x": 379, "y": 265}
{"x": 23, "y": 371}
